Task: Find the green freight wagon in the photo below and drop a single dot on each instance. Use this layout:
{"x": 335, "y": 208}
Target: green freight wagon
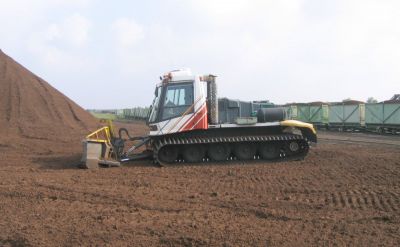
{"x": 291, "y": 112}
{"x": 126, "y": 113}
{"x": 347, "y": 116}
{"x": 299, "y": 112}
{"x": 303, "y": 113}
{"x": 317, "y": 114}
{"x": 140, "y": 113}
{"x": 120, "y": 113}
{"x": 383, "y": 117}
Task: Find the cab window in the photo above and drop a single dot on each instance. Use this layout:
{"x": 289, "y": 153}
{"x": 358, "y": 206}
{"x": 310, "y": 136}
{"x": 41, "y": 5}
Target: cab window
{"x": 154, "y": 107}
{"x": 178, "y": 98}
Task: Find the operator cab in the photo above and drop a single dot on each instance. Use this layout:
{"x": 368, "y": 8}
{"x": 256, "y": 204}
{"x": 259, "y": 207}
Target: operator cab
{"x": 174, "y": 97}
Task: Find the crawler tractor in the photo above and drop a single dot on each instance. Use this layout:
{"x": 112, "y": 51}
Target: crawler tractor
{"x": 184, "y": 127}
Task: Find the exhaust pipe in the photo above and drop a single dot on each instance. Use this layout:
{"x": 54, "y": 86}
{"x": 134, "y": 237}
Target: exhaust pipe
{"x": 212, "y": 99}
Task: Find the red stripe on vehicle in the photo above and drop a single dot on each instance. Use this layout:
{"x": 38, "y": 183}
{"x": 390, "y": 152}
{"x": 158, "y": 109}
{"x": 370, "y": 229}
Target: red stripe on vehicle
{"x": 198, "y": 121}
{"x": 202, "y": 123}
{"x": 183, "y": 115}
{"x": 189, "y": 119}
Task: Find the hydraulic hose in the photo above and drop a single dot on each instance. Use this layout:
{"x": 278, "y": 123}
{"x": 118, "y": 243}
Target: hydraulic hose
{"x": 124, "y": 130}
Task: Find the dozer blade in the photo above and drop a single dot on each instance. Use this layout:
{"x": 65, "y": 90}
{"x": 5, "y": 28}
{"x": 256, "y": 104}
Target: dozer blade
{"x": 97, "y": 149}
{"x": 95, "y": 154}
{"x": 92, "y": 152}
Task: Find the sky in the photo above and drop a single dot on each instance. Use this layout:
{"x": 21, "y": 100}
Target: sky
{"x": 110, "y": 54}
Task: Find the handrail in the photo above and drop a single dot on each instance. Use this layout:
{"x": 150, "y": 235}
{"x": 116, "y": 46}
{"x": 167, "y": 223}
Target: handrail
{"x": 94, "y": 136}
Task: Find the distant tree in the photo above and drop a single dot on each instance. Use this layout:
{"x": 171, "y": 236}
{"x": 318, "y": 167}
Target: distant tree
{"x": 372, "y": 100}
{"x": 346, "y": 99}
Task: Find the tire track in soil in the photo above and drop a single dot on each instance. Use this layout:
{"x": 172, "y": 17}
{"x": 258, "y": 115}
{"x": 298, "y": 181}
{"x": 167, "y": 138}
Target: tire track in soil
{"x": 350, "y": 199}
{"x": 362, "y": 200}
{"x": 256, "y": 182}
{"x": 18, "y": 104}
{"x": 95, "y": 198}
{"x": 9, "y": 107}
{"x": 48, "y": 99}
{"x": 4, "y": 69}
{"x": 78, "y": 120}
{"x": 14, "y": 102}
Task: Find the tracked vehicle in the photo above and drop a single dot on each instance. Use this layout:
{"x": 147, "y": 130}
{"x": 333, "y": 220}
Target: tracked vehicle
{"x": 184, "y": 127}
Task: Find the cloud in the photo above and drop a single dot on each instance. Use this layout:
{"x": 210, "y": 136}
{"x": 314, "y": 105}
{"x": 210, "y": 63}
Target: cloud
{"x": 287, "y": 50}
{"x": 24, "y": 19}
{"x": 257, "y": 14}
{"x": 61, "y": 46}
{"x": 74, "y": 30}
{"x": 127, "y": 32}
{"x": 302, "y": 48}
{"x": 369, "y": 30}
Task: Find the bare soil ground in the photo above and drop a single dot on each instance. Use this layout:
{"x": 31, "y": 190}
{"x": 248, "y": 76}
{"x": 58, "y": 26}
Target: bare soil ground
{"x": 346, "y": 192}
{"x": 343, "y": 193}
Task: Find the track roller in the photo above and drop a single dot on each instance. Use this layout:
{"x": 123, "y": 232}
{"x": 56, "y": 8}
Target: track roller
{"x": 269, "y": 151}
{"x": 193, "y": 153}
{"x": 219, "y": 151}
{"x": 245, "y": 150}
{"x": 168, "y": 153}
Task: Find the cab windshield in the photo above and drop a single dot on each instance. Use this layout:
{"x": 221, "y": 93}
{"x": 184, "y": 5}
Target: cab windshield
{"x": 178, "y": 99}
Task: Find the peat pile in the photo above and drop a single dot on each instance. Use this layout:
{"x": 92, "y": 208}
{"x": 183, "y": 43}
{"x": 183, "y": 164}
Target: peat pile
{"x": 33, "y": 114}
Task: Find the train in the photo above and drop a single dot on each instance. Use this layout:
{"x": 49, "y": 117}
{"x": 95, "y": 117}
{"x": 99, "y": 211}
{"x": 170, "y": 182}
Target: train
{"x": 381, "y": 117}
{"x": 138, "y": 113}
{"x": 351, "y": 115}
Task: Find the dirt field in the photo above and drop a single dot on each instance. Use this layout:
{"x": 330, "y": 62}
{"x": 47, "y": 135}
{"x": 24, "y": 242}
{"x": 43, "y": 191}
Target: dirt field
{"x": 342, "y": 194}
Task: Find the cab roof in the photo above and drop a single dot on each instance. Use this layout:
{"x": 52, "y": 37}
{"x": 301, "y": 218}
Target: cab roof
{"x": 178, "y": 75}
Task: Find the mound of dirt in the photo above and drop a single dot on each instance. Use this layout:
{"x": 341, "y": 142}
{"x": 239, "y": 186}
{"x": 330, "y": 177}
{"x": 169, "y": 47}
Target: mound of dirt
{"x": 31, "y": 110}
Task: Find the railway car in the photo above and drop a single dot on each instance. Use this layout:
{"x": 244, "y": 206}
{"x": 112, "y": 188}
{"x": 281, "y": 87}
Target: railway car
{"x": 383, "y": 117}
{"x": 316, "y": 113}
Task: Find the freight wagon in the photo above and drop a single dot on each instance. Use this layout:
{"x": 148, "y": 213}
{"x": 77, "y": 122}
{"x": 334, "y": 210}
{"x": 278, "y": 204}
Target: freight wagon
{"x": 346, "y": 116}
{"x": 383, "y": 117}
{"x": 139, "y": 113}
{"x": 316, "y": 113}
{"x": 349, "y": 116}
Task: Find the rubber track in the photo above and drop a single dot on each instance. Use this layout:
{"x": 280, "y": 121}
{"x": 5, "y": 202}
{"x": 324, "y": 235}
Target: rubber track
{"x": 209, "y": 140}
